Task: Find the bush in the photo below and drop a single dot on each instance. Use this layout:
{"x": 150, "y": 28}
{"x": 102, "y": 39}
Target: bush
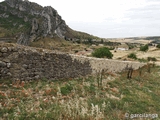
{"x": 111, "y": 48}
{"x": 102, "y": 53}
{"x": 66, "y": 89}
{"x": 144, "y": 48}
{"x": 132, "y": 55}
{"x": 151, "y": 59}
{"x": 142, "y": 60}
{"x": 158, "y": 46}
{"x": 131, "y": 46}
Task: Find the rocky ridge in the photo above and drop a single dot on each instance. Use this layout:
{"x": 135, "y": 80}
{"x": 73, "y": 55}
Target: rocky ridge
{"x": 36, "y": 21}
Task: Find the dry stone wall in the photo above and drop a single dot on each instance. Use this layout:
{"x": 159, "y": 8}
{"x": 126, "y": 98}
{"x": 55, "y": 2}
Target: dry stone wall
{"x": 27, "y": 63}
{"x": 99, "y": 64}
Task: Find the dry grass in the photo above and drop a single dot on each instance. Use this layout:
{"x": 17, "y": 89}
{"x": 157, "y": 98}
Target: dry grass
{"x": 58, "y": 44}
{"x": 152, "y": 52}
{"x": 104, "y": 97}
{"x": 124, "y": 40}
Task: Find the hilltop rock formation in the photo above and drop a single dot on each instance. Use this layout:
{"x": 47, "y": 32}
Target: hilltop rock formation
{"x": 29, "y": 21}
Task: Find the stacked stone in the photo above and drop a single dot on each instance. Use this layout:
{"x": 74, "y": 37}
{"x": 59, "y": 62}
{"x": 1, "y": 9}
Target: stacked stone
{"x": 26, "y": 63}
{"x": 5, "y": 64}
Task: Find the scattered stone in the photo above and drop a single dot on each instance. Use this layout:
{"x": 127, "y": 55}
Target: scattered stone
{"x": 2, "y": 64}
{"x": 25, "y": 66}
{"x": 4, "y": 49}
{"x": 37, "y": 77}
{"x": 1, "y": 54}
{"x": 6, "y": 60}
{"x": 8, "y": 65}
{"x": 9, "y": 74}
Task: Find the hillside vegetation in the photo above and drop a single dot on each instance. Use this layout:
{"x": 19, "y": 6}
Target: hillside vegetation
{"x": 105, "y": 96}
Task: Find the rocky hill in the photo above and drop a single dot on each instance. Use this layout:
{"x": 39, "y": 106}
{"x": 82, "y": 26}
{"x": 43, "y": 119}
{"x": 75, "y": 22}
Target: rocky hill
{"x": 24, "y": 22}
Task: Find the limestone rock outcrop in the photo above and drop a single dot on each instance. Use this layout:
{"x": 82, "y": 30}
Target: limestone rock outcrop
{"x": 36, "y": 21}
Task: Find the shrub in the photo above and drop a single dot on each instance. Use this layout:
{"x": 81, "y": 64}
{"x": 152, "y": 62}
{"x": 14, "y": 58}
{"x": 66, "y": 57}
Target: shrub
{"x": 102, "y": 53}
{"x": 142, "y": 60}
{"x": 130, "y": 46}
{"x": 144, "y": 48}
{"x": 132, "y": 55}
{"x": 111, "y": 48}
{"x": 158, "y": 46}
{"x": 66, "y": 89}
{"x": 151, "y": 59}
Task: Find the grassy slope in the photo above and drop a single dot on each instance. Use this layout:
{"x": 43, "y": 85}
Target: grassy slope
{"x": 58, "y": 44}
{"x": 83, "y": 98}
{"x": 79, "y": 35}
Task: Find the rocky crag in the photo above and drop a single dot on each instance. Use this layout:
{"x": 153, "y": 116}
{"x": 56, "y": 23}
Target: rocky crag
{"x": 28, "y": 63}
{"x": 26, "y": 22}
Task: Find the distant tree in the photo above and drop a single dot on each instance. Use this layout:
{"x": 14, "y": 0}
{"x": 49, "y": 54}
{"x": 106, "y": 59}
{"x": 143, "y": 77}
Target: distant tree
{"x": 78, "y": 41}
{"x": 102, "y": 53}
{"x": 90, "y": 40}
{"x": 144, "y": 48}
{"x": 102, "y": 41}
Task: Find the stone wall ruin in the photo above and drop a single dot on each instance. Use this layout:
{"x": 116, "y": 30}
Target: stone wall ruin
{"x": 28, "y": 63}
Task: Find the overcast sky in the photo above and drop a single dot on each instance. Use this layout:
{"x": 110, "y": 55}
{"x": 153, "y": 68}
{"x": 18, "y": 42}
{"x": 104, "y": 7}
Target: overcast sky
{"x": 109, "y": 18}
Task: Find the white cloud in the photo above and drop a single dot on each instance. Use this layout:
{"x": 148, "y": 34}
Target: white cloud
{"x": 109, "y": 18}
{"x": 91, "y": 10}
